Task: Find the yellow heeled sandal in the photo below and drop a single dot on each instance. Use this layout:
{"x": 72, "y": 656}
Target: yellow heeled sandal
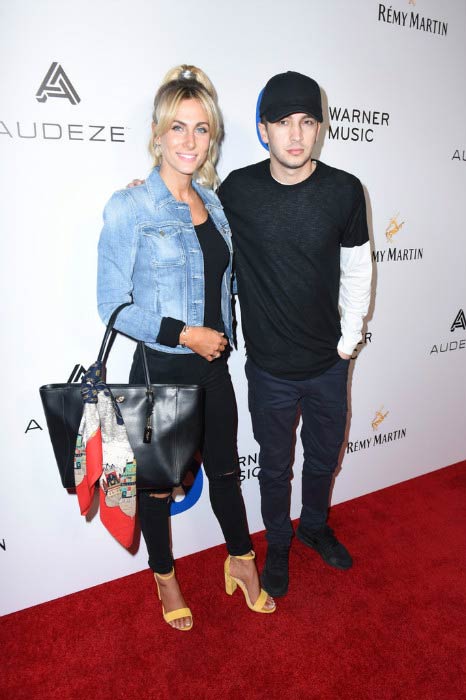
{"x": 174, "y": 614}
{"x": 231, "y": 583}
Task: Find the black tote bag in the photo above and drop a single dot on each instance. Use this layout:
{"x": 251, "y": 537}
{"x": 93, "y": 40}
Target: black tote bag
{"x": 163, "y": 421}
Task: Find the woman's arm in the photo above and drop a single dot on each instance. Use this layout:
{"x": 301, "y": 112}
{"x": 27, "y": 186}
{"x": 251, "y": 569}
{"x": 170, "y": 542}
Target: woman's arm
{"x": 117, "y": 253}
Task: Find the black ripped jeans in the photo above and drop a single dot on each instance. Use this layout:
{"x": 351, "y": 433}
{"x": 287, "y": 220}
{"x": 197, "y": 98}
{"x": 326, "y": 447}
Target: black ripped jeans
{"x": 219, "y": 454}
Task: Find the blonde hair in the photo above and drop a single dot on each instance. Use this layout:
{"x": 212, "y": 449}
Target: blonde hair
{"x": 182, "y": 83}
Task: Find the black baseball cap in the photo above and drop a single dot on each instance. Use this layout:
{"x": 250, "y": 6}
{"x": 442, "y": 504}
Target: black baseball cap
{"x": 290, "y": 92}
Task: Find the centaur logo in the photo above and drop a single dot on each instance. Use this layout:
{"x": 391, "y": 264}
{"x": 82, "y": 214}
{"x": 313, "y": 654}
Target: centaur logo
{"x": 459, "y": 322}
{"x": 378, "y": 419}
{"x": 393, "y": 228}
{"x": 393, "y": 254}
{"x": 57, "y": 84}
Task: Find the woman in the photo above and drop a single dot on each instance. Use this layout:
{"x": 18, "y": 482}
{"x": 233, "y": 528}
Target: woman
{"x": 166, "y": 247}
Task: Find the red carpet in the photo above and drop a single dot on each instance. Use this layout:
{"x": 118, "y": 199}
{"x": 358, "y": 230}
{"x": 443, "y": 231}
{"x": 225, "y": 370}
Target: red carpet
{"x": 394, "y": 626}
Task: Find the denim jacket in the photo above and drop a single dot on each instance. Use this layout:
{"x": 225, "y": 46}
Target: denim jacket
{"x": 149, "y": 254}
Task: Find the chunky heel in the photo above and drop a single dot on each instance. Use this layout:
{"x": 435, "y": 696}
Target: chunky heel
{"x": 231, "y": 584}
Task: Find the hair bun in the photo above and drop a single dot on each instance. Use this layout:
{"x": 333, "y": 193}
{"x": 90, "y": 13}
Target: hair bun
{"x": 187, "y": 74}
{"x": 192, "y": 74}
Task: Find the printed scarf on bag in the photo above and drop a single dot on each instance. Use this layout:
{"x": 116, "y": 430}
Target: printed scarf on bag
{"x": 103, "y": 454}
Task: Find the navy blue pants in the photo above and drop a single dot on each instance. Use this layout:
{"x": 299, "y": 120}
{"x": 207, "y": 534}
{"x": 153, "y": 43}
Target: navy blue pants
{"x": 274, "y": 404}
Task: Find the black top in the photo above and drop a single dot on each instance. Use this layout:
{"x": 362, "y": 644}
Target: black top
{"x": 287, "y": 242}
{"x": 216, "y": 256}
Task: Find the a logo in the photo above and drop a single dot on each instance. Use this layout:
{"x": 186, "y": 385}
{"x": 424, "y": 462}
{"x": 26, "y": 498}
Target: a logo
{"x": 249, "y": 466}
{"x": 393, "y": 254}
{"x": 52, "y": 131}
{"x": 393, "y": 227}
{"x": 376, "y": 438}
{"x": 258, "y": 118}
{"x": 355, "y": 124}
{"x": 76, "y": 374}
{"x": 187, "y": 495}
{"x": 378, "y": 418}
{"x": 459, "y": 322}
{"x": 459, "y": 156}
{"x": 366, "y": 338}
{"x": 411, "y": 20}
{"x": 57, "y": 84}
{"x": 33, "y": 425}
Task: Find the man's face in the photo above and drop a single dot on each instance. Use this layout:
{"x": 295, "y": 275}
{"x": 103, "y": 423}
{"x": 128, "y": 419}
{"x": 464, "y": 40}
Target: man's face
{"x": 291, "y": 139}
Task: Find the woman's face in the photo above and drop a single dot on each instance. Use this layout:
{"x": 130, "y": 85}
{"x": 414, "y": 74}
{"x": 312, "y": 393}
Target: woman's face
{"x": 185, "y": 145}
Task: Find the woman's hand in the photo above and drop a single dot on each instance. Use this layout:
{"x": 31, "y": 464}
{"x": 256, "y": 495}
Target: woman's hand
{"x": 204, "y": 341}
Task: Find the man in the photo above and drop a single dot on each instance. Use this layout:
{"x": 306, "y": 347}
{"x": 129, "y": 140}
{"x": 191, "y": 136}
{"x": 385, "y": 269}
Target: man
{"x": 302, "y": 256}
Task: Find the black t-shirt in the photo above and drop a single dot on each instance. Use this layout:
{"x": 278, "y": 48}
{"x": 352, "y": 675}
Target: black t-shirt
{"x": 216, "y": 257}
{"x": 287, "y": 241}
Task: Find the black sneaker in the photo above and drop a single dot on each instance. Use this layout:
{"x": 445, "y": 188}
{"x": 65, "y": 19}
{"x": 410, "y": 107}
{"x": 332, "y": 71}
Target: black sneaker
{"x": 274, "y": 577}
{"x": 327, "y": 545}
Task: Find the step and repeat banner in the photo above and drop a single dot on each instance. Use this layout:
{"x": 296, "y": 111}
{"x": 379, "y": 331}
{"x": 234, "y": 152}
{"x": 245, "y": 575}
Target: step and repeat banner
{"x": 78, "y": 82}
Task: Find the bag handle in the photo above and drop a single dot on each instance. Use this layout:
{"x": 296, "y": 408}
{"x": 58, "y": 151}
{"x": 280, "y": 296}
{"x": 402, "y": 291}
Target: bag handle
{"x": 107, "y": 342}
{"x": 106, "y": 346}
{"x": 110, "y": 334}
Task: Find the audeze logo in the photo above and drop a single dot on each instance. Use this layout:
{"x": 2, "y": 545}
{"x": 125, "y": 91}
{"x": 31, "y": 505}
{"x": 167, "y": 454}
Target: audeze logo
{"x": 459, "y": 322}
{"x": 57, "y": 84}
{"x": 76, "y": 374}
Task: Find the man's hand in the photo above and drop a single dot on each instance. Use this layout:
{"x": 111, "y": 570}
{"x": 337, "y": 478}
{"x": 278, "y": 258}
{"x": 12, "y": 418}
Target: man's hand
{"x": 135, "y": 183}
{"x": 343, "y": 355}
{"x": 204, "y": 341}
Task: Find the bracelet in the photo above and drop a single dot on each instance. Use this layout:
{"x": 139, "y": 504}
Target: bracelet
{"x": 184, "y": 334}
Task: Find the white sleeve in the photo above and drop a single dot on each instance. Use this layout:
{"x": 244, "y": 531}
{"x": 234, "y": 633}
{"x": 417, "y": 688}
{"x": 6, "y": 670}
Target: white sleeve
{"x": 355, "y": 293}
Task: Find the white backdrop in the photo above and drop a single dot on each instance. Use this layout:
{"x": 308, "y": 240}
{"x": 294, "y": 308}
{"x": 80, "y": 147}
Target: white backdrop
{"x": 367, "y": 56}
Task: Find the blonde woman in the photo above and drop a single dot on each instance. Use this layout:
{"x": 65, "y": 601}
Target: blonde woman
{"x": 166, "y": 247}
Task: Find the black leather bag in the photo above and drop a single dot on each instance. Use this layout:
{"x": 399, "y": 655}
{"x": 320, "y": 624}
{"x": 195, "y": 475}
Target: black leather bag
{"x": 163, "y": 421}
